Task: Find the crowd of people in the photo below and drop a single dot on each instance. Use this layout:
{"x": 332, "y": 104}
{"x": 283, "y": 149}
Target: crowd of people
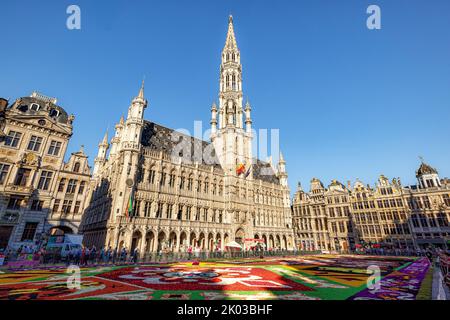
{"x": 84, "y": 255}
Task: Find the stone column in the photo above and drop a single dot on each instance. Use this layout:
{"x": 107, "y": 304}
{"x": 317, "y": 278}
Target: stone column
{"x": 178, "y": 242}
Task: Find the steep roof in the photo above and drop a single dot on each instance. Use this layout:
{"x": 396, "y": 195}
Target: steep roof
{"x": 425, "y": 169}
{"x": 160, "y": 138}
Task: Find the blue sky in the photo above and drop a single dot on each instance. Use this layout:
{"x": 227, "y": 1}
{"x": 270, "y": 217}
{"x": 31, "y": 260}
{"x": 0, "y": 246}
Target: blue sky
{"x": 349, "y": 102}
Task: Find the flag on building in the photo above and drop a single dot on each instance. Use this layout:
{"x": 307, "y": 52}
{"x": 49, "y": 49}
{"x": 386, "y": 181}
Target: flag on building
{"x": 130, "y": 209}
{"x": 248, "y": 172}
{"x": 240, "y": 169}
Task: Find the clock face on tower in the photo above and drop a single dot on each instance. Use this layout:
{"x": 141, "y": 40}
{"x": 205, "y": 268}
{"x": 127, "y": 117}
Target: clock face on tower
{"x": 129, "y": 182}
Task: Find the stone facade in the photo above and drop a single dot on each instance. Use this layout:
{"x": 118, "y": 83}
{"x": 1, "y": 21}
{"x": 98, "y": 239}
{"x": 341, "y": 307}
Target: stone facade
{"x": 36, "y": 135}
{"x": 389, "y": 215}
{"x": 150, "y": 190}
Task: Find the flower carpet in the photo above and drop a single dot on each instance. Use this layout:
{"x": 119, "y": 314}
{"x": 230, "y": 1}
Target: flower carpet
{"x": 315, "y": 277}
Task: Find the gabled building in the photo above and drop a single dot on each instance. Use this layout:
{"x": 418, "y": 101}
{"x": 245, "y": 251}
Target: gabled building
{"x": 388, "y": 216}
{"x": 37, "y": 132}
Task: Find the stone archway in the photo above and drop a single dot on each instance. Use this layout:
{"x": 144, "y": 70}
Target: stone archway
{"x": 266, "y": 244}
{"x": 161, "y": 240}
{"x": 193, "y": 240}
{"x": 183, "y": 241}
{"x": 219, "y": 240}
{"x": 135, "y": 240}
{"x": 271, "y": 241}
{"x": 284, "y": 243}
{"x": 210, "y": 242}
{"x": 149, "y": 241}
{"x": 201, "y": 241}
{"x": 226, "y": 239}
{"x": 277, "y": 241}
{"x": 173, "y": 241}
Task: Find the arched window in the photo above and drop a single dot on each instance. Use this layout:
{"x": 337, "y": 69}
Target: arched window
{"x": 151, "y": 177}
{"x": 76, "y": 167}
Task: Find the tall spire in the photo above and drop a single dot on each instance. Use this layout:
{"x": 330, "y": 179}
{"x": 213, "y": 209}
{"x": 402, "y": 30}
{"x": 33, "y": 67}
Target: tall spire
{"x": 141, "y": 91}
{"x": 105, "y": 139}
{"x": 230, "y": 43}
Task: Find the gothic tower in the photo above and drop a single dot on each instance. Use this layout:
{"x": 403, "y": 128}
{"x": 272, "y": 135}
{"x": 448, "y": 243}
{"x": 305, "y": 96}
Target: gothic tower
{"x": 101, "y": 155}
{"x": 129, "y": 134}
{"x": 232, "y": 141}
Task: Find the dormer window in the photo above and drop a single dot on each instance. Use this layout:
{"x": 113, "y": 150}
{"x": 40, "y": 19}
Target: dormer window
{"x": 35, "y": 107}
{"x": 23, "y": 108}
{"x": 53, "y": 113}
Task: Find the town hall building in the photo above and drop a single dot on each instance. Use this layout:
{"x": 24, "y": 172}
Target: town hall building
{"x": 151, "y": 191}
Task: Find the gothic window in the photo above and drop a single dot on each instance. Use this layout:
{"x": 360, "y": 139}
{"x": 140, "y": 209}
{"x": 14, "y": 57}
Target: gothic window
{"x": 163, "y": 179}
{"x": 151, "y": 177}
{"x": 159, "y": 210}
{"x": 197, "y": 215}
{"x": 206, "y": 186}
{"x": 147, "y": 209}
{"x": 76, "y": 167}
{"x": 172, "y": 179}
{"x": 169, "y": 211}
{"x": 190, "y": 182}
{"x": 182, "y": 182}
{"x": 188, "y": 212}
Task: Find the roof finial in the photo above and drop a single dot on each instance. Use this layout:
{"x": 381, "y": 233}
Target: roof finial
{"x": 421, "y": 159}
{"x": 230, "y": 43}
{"x": 105, "y": 138}
{"x": 141, "y": 91}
